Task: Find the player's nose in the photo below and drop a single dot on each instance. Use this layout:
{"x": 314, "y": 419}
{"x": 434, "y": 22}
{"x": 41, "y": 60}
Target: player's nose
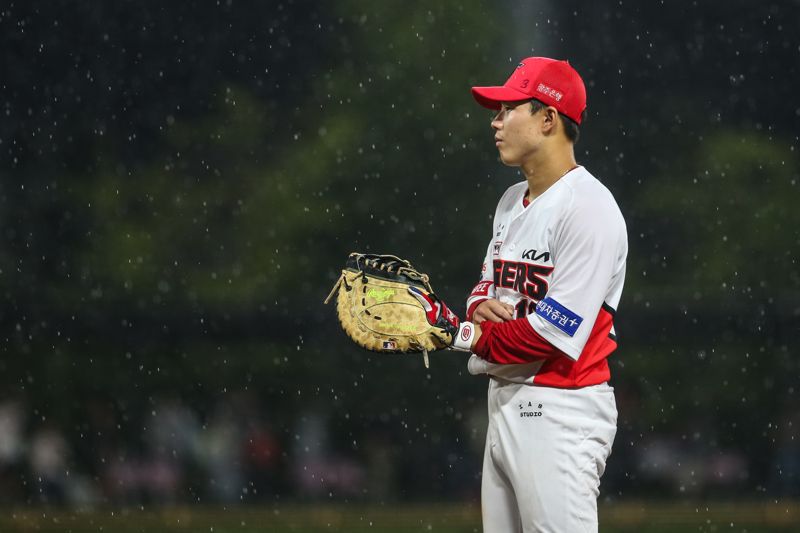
{"x": 497, "y": 121}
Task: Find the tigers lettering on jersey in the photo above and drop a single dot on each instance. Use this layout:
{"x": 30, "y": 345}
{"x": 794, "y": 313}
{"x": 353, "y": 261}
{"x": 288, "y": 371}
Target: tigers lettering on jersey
{"x": 527, "y": 279}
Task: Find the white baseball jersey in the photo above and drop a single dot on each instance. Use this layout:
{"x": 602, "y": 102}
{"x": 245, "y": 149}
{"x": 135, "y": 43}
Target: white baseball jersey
{"x": 560, "y": 261}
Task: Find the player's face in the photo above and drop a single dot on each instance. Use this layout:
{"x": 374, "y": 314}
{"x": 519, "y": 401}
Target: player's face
{"x": 517, "y": 132}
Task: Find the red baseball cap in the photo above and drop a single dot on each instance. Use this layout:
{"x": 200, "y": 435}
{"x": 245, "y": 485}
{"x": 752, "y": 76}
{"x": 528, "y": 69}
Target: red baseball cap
{"x": 550, "y": 81}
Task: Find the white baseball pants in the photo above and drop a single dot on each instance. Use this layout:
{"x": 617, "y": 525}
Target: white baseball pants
{"x": 546, "y": 449}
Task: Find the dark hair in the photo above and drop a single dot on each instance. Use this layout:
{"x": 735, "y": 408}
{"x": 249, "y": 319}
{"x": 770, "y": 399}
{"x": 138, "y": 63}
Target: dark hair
{"x": 571, "y": 128}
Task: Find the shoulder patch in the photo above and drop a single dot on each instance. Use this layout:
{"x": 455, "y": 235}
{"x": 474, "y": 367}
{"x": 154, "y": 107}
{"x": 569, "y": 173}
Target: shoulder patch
{"x": 558, "y": 315}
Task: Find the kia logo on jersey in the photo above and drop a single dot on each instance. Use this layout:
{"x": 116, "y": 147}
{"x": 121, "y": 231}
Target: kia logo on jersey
{"x": 535, "y": 255}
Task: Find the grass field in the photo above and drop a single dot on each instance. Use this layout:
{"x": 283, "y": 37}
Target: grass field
{"x": 630, "y": 517}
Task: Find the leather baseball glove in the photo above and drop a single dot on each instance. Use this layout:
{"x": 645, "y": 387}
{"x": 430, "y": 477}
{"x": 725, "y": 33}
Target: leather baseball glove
{"x": 386, "y": 305}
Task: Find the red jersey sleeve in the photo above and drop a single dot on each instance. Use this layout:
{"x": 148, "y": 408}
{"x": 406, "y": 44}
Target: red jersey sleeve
{"x": 513, "y": 342}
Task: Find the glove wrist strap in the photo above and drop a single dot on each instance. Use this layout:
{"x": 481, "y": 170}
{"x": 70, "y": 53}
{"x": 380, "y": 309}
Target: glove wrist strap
{"x": 462, "y": 340}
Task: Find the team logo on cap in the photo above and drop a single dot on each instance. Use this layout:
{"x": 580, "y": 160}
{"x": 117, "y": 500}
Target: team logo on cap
{"x": 549, "y": 91}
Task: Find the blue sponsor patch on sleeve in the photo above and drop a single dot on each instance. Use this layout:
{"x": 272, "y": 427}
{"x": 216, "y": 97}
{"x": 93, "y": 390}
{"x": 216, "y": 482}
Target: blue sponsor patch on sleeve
{"x": 559, "y": 316}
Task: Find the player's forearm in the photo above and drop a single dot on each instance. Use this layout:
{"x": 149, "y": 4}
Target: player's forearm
{"x": 511, "y": 342}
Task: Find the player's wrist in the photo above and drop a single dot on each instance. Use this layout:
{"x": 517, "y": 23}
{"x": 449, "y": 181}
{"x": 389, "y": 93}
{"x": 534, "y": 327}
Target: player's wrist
{"x": 464, "y": 337}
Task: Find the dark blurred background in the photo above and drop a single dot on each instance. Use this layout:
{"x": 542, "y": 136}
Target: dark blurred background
{"x": 182, "y": 182}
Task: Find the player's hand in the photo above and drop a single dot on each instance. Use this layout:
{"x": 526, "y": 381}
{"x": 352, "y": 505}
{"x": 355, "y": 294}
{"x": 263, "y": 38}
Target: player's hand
{"x": 493, "y": 310}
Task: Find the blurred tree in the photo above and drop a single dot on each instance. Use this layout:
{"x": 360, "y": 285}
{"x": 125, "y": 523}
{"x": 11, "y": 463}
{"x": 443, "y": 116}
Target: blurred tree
{"x": 732, "y": 230}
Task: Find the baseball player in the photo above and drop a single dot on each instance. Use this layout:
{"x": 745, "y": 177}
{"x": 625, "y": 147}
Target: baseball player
{"x": 540, "y": 322}
{"x": 545, "y": 305}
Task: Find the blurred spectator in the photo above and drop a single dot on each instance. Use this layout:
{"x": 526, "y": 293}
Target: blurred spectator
{"x": 11, "y": 438}
{"x": 12, "y": 449}
{"x": 264, "y": 463}
{"x": 262, "y": 460}
{"x": 48, "y": 460}
{"x": 174, "y": 431}
{"x": 172, "y": 446}
{"x": 220, "y": 453}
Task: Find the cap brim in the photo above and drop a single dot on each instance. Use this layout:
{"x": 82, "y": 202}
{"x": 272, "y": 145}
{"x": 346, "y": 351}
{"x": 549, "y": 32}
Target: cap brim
{"x": 490, "y": 97}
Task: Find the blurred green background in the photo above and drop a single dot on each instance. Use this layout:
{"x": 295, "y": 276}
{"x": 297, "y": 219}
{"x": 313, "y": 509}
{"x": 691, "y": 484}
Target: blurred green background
{"x": 181, "y": 183}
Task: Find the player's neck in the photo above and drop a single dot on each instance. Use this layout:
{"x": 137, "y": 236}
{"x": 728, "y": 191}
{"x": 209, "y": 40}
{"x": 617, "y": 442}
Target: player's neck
{"x": 543, "y": 171}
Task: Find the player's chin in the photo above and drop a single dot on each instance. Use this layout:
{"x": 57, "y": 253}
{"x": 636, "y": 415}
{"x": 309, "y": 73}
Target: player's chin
{"x": 508, "y": 158}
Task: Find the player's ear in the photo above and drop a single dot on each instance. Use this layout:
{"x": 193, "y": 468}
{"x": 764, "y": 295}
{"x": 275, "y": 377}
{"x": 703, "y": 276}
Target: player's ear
{"x": 550, "y": 114}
